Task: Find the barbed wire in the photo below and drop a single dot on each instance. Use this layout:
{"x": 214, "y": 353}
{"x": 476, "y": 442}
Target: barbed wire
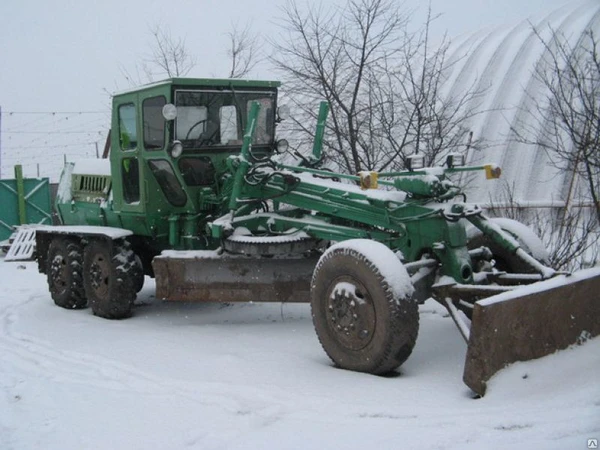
{"x": 41, "y": 141}
{"x": 53, "y": 112}
{"x": 27, "y": 147}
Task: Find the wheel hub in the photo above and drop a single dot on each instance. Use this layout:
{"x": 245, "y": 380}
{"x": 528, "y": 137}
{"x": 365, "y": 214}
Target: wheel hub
{"x": 99, "y": 272}
{"x": 350, "y": 313}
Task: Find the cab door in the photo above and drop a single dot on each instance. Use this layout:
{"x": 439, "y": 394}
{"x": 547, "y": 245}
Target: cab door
{"x": 128, "y": 193}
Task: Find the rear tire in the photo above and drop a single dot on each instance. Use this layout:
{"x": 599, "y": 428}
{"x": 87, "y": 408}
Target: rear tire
{"x": 362, "y": 324}
{"x": 138, "y": 274}
{"x": 506, "y": 261}
{"x": 64, "y": 268}
{"x": 108, "y": 277}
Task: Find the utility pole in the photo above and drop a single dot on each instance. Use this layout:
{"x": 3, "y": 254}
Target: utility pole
{"x": 97, "y": 154}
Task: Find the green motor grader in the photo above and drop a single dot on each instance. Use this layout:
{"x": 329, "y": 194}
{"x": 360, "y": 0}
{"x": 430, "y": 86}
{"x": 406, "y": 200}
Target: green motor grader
{"x": 195, "y": 193}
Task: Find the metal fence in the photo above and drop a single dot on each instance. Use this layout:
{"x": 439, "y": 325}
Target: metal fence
{"x": 24, "y": 201}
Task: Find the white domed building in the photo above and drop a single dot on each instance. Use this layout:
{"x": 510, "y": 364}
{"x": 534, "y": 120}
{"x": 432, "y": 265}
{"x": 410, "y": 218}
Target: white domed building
{"x": 502, "y": 62}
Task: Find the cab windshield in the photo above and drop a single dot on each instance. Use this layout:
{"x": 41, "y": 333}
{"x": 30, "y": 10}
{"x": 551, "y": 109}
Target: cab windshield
{"x": 218, "y": 118}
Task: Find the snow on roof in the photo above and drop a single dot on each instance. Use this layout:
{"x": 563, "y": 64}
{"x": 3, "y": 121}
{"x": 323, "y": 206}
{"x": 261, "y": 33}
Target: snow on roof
{"x": 92, "y": 167}
{"x": 233, "y": 82}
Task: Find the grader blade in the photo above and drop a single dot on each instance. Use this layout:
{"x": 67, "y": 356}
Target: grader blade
{"x": 531, "y": 322}
{"x": 208, "y": 277}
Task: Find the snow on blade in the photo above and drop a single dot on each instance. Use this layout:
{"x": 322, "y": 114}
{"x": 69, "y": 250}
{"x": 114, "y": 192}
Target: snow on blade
{"x": 560, "y": 280}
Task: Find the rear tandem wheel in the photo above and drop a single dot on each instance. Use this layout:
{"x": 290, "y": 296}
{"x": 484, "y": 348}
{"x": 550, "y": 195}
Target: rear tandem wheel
{"x": 109, "y": 278}
{"x": 64, "y": 268}
{"x": 363, "y": 321}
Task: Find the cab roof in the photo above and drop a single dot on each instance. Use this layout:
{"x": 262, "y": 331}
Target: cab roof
{"x": 204, "y": 82}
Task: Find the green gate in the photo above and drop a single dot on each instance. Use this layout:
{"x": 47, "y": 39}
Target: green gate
{"x": 23, "y": 200}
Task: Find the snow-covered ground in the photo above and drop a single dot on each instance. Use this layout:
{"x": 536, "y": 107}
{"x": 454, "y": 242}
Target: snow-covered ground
{"x": 253, "y": 376}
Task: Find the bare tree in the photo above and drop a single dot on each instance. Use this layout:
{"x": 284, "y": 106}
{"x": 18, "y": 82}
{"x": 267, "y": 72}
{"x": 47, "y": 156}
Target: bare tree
{"x": 565, "y": 122}
{"x": 169, "y": 55}
{"x": 416, "y": 116}
{"x": 382, "y": 82}
{"x": 242, "y": 51}
{"x": 333, "y": 55}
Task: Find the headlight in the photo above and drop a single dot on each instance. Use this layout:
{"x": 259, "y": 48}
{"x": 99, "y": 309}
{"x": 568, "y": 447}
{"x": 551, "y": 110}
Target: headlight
{"x": 415, "y": 162}
{"x": 169, "y": 111}
{"x": 455, "y": 160}
{"x": 176, "y": 149}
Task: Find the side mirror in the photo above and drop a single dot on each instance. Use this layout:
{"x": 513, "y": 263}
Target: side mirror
{"x": 283, "y": 113}
{"x": 169, "y": 112}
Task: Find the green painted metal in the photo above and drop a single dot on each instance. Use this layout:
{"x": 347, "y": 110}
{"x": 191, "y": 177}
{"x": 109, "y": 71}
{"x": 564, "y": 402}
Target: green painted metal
{"x": 20, "y": 194}
{"x": 218, "y": 187}
{"x": 153, "y": 216}
{"x": 320, "y": 131}
{"x": 173, "y": 211}
{"x": 34, "y": 201}
{"x": 244, "y": 163}
{"x": 490, "y": 229}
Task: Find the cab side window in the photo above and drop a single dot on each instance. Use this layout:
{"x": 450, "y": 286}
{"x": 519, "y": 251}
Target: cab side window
{"x": 130, "y": 174}
{"x": 127, "y": 130}
{"x": 154, "y": 123}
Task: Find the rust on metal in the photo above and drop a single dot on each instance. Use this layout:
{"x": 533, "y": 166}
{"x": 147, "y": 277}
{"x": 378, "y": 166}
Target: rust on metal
{"x": 234, "y": 279}
{"x": 468, "y": 292}
{"x": 530, "y": 323}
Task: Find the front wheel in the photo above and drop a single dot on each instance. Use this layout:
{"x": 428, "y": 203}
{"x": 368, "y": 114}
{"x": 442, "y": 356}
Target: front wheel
{"x": 109, "y": 278}
{"x": 362, "y": 307}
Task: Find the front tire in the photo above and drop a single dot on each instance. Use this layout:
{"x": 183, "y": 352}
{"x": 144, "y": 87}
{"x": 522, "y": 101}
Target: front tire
{"x": 363, "y": 319}
{"x": 64, "y": 268}
{"x": 109, "y": 279}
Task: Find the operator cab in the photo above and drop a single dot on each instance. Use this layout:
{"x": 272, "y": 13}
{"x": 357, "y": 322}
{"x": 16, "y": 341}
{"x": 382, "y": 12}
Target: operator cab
{"x": 172, "y": 141}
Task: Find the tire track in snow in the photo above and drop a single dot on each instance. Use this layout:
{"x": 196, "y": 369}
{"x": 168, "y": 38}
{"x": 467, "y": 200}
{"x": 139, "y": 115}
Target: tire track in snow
{"x": 40, "y": 359}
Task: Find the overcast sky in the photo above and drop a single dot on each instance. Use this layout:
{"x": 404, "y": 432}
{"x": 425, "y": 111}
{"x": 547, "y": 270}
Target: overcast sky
{"x": 66, "y": 56}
